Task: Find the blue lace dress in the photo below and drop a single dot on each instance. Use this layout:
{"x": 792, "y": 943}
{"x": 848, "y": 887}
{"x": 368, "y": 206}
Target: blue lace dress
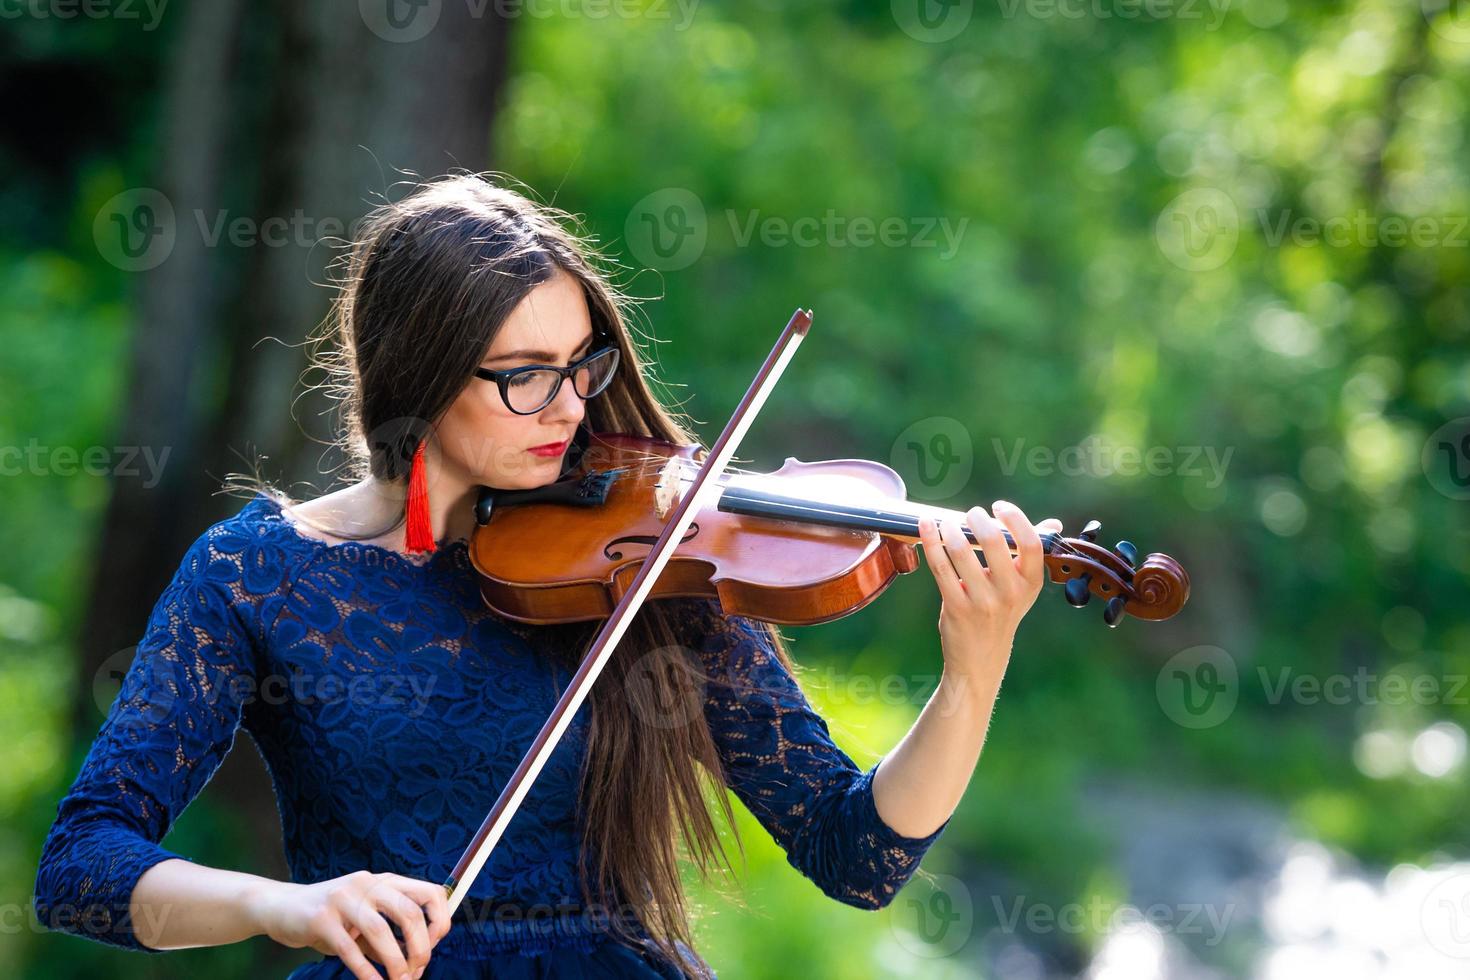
{"x": 390, "y": 707}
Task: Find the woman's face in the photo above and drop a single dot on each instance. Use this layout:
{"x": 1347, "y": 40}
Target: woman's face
{"x": 481, "y": 440}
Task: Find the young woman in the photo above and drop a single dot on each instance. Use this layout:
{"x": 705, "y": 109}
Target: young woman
{"x": 347, "y": 636}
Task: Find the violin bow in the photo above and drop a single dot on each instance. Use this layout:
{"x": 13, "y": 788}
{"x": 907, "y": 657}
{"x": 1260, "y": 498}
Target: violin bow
{"x": 457, "y": 885}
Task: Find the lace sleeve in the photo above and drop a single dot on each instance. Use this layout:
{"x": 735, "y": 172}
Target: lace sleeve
{"x": 165, "y": 735}
{"x": 781, "y": 762}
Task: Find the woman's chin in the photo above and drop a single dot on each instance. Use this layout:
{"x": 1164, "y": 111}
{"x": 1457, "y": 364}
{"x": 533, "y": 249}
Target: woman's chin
{"x": 528, "y": 479}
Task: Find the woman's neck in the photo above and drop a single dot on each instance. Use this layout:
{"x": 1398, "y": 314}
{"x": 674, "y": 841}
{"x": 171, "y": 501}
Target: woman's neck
{"x": 451, "y": 504}
{"x": 372, "y": 511}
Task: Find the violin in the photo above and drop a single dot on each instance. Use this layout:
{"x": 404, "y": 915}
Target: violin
{"x": 808, "y": 543}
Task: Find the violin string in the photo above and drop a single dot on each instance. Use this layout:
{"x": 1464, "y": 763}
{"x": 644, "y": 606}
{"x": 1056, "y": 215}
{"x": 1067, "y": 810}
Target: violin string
{"x": 1059, "y": 544}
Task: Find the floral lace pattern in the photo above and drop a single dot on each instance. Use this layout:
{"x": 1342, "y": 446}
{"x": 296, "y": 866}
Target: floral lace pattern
{"x": 391, "y": 706}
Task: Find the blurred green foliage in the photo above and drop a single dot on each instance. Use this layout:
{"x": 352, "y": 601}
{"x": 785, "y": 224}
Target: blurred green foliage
{"x": 1081, "y": 299}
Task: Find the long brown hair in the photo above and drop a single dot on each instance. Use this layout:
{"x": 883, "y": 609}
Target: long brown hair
{"x": 426, "y": 285}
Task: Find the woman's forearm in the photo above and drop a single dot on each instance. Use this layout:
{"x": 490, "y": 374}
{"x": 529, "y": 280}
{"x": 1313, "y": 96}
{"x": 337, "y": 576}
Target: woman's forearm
{"x": 178, "y": 904}
{"x": 919, "y": 784}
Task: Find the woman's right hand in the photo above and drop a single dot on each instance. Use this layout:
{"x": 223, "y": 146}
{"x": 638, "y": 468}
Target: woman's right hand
{"x": 345, "y": 917}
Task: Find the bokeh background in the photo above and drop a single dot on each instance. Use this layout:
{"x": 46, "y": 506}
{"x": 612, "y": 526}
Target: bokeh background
{"x": 1194, "y": 269}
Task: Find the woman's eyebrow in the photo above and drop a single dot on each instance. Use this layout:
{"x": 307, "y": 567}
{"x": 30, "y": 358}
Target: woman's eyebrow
{"x": 534, "y": 355}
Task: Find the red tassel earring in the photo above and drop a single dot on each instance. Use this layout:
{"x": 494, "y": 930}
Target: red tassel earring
{"x": 420, "y": 535}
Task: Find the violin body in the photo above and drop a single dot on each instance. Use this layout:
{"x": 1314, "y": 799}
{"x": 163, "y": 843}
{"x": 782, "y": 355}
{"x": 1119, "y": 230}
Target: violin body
{"x": 549, "y": 561}
{"x": 805, "y": 544}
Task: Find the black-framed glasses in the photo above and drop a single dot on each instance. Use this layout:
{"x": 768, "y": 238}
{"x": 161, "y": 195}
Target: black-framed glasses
{"x": 527, "y": 390}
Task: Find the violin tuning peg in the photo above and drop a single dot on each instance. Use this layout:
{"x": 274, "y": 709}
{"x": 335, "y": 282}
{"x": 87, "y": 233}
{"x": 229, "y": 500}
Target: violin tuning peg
{"x": 1113, "y": 611}
{"x": 1089, "y": 533}
{"x": 1127, "y": 552}
{"x": 1077, "y": 591}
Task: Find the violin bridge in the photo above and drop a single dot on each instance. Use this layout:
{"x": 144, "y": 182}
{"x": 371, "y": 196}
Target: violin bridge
{"x": 666, "y": 490}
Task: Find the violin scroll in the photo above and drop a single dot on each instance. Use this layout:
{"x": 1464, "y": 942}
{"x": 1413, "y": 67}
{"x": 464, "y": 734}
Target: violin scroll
{"x": 1155, "y": 590}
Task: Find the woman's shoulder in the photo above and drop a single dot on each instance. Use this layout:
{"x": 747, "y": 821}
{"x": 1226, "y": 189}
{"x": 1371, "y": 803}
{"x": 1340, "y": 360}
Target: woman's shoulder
{"x": 263, "y": 512}
{"x": 253, "y": 550}
{"x": 359, "y": 512}
{"x": 273, "y": 512}
{"x": 234, "y": 575}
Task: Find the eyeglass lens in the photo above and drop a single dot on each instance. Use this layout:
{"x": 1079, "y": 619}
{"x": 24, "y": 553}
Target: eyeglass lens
{"x": 532, "y": 390}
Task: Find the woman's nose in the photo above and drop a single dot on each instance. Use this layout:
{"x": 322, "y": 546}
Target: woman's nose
{"x": 567, "y": 406}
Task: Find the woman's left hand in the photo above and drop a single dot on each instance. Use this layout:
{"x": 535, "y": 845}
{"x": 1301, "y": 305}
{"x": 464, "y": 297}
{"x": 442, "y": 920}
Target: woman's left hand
{"x": 983, "y": 604}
